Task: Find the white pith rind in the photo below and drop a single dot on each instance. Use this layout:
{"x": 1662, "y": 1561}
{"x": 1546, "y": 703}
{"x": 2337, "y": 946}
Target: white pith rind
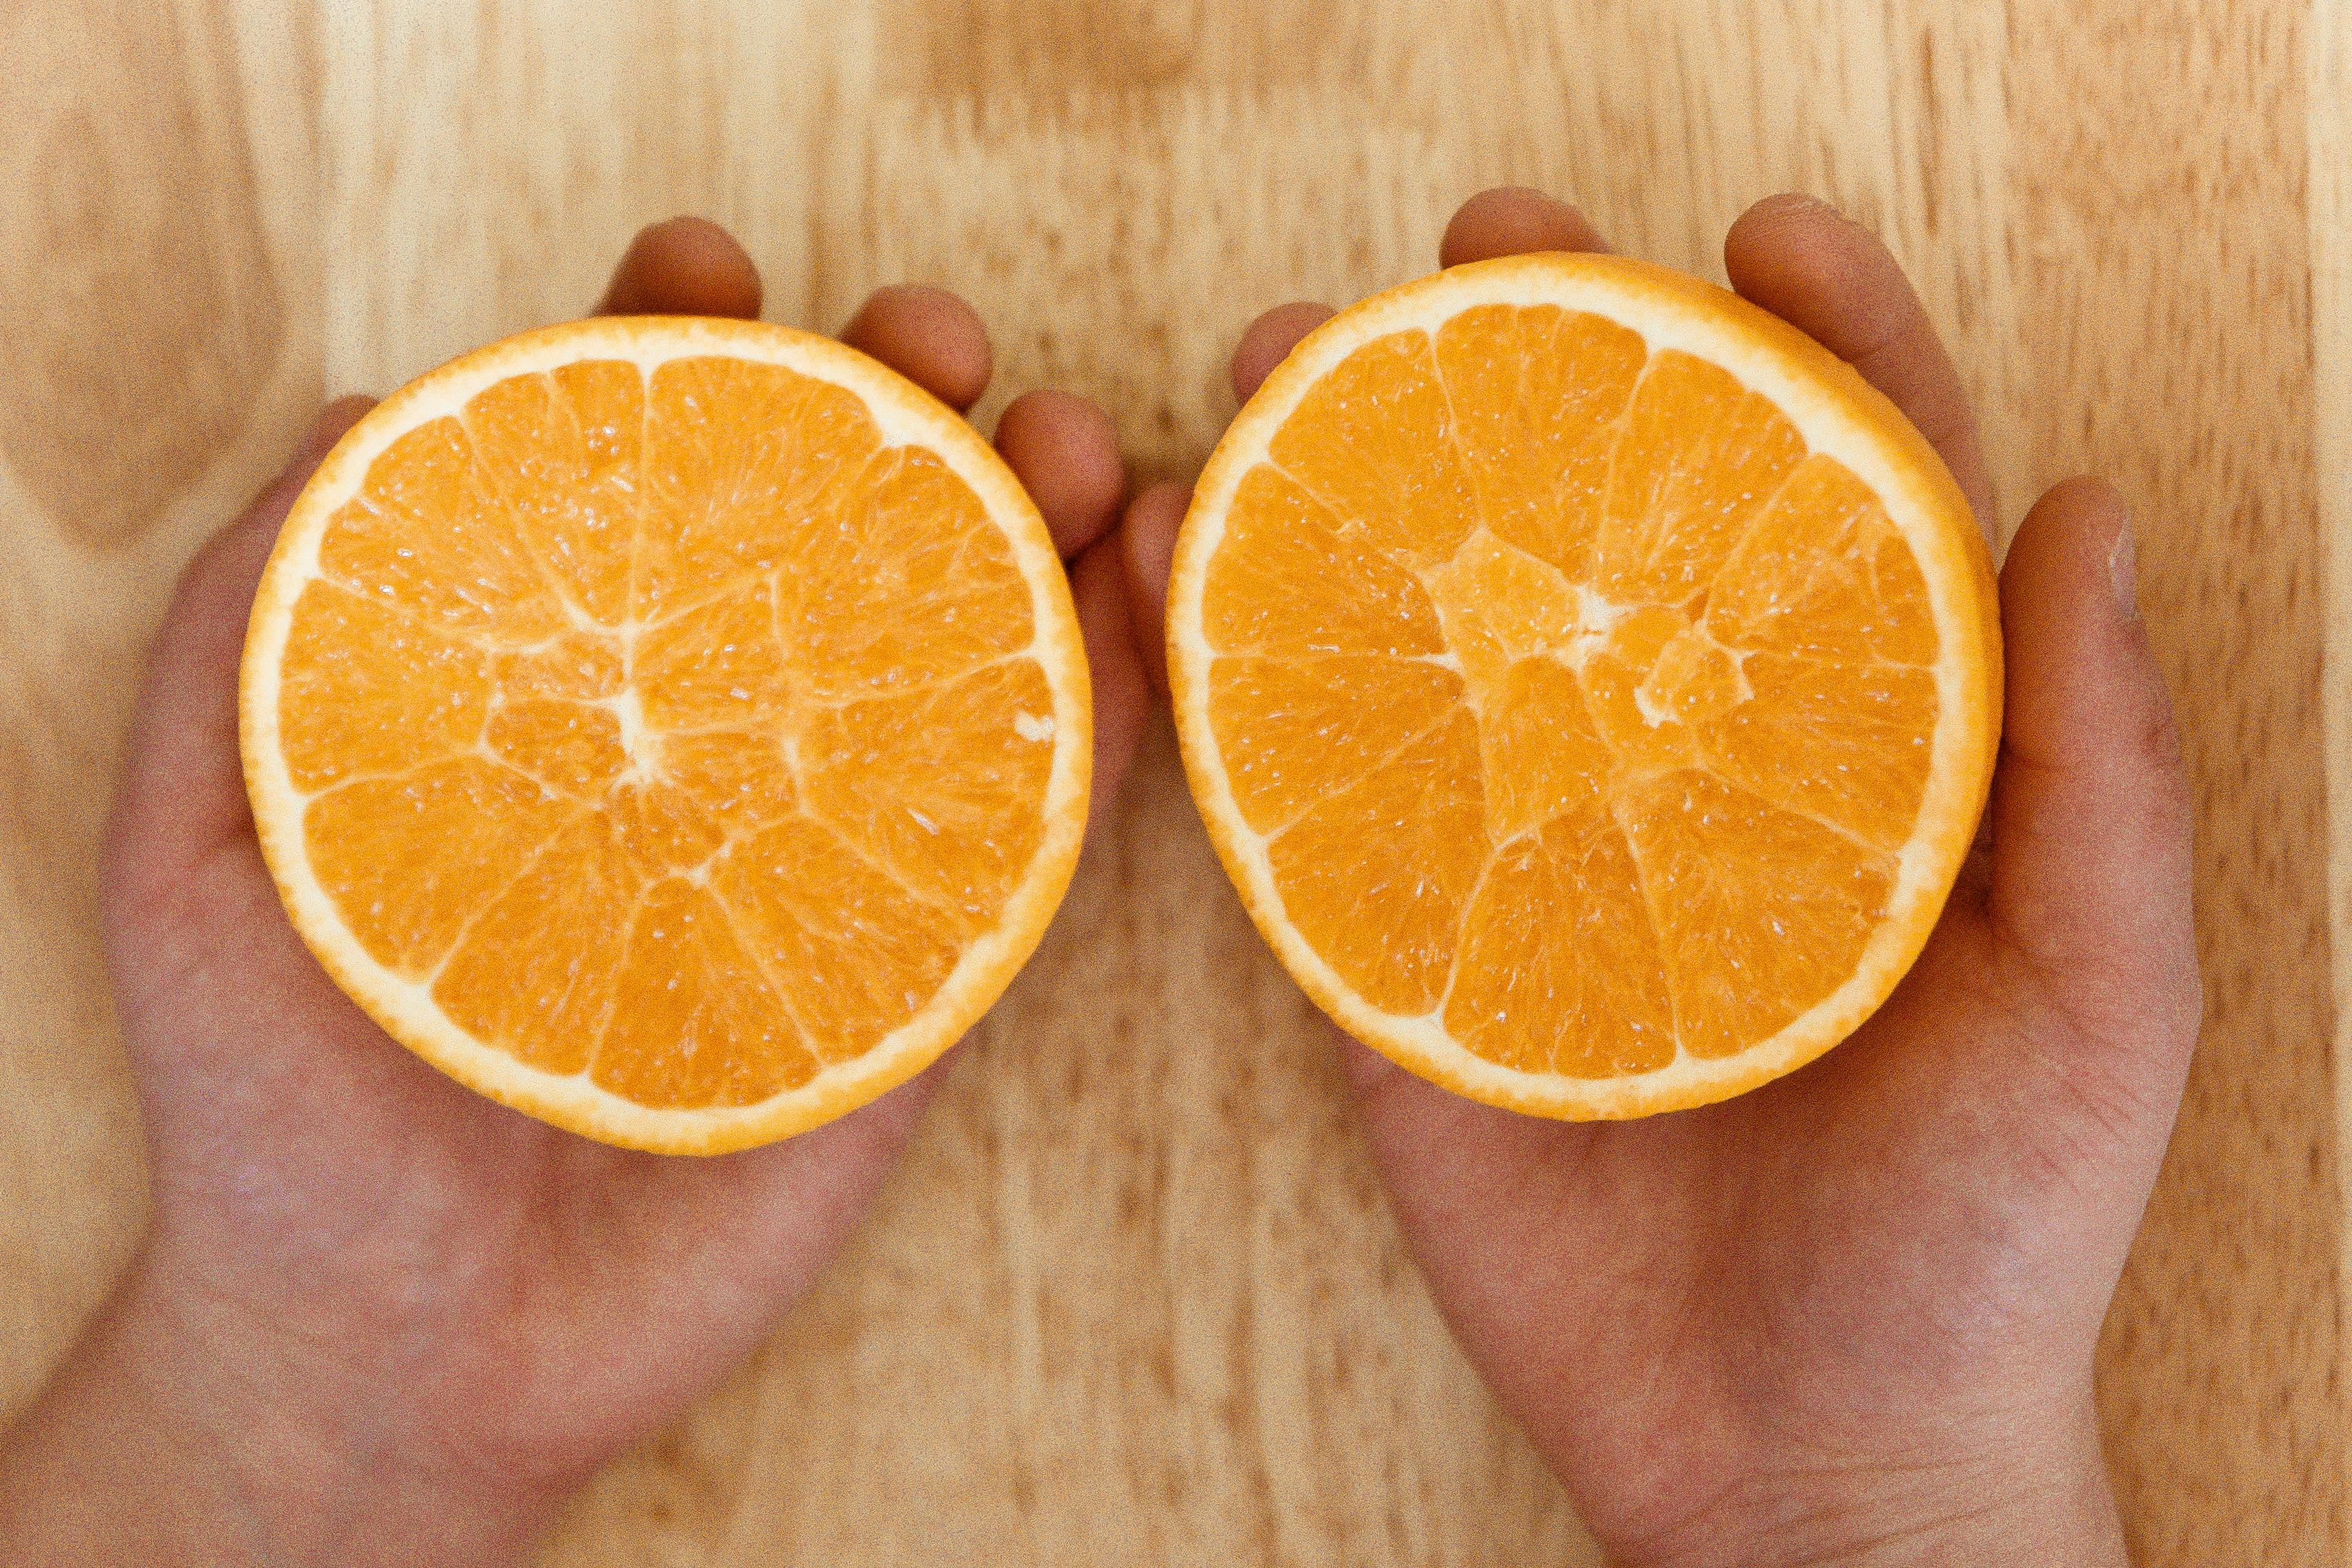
{"x": 1837, "y": 414}
{"x": 905, "y": 415}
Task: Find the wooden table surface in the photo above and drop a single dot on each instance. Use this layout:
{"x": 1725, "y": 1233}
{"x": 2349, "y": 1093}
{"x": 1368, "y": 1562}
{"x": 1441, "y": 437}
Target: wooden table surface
{"x": 1134, "y": 1297}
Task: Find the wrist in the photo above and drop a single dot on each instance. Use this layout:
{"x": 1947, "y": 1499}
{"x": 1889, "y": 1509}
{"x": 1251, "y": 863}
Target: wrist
{"x": 191, "y": 1428}
{"x": 2042, "y": 1497}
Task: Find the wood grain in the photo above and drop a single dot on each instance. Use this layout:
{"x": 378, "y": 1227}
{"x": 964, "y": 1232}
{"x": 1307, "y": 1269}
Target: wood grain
{"x": 2170, "y": 303}
{"x": 157, "y": 267}
{"x": 1134, "y": 1295}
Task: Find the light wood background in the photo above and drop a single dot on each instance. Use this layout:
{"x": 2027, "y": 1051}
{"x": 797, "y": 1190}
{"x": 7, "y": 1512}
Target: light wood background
{"x": 1134, "y": 1297}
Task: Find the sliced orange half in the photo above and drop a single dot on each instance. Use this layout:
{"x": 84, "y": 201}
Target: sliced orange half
{"x": 1590, "y": 685}
{"x": 675, "y": 729}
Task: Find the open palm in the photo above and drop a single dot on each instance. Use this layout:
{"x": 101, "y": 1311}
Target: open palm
{"x": 378, "y": 1285}
{"x": 1883, "y": 1275}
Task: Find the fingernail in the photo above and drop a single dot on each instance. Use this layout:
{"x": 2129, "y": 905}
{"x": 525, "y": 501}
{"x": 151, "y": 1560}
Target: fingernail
{"x": 2123, "y": 571}
{"x": 1805, "y": 201}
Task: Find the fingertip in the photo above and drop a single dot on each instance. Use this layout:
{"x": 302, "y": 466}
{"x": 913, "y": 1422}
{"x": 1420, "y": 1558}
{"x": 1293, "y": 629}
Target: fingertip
{"x": 930, "y": 336}
{"x": 2078, "y": 657}
{"x": 1267, "y": 341}
{"x": 1065, "y": 452}
{"x": 683, "y": 265}
{"x": 1120, "y": 695}
{"x": 1514, "y": 220}
{"x": 2092, "y": 809}
{"x": 2090, "y": 497}
{"x": 2106, "y": 515}
{"x": 1836, "y": 281}
{"x": 1798, "y": 257}
{"x": 2077, "y": 538}
{"x": 1762, "y": 219}
{"x": 1810, "y": 265}
{"x": 1147, "y": 550}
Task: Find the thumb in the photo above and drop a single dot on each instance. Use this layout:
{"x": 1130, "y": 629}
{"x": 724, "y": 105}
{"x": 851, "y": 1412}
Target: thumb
{"x": 182, "y": 790}
{"x": 2091, "y": 821}
{"x": 1148, "y": 547}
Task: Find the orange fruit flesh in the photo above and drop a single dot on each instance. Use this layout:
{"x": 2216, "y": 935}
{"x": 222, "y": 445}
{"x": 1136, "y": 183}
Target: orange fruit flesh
{"x": 1580, "y": 708}
{"x": 668, "y": 727}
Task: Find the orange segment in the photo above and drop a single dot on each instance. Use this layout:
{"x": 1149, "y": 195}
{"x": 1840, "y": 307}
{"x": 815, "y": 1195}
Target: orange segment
{"x": 1377, "y": 428}
{"x": 658, "y": 822}
{"x": 698, "y": 1025}
{"x": 1858, "y": 594}
{"x": 1626, "y": 676}
{"x": 1377, "y": 876}
{"x": 1560, "y": 972}
{"x": 1851, "y": 744}
{"x": 424, "y": 535}
{"x": 568, "y": 748}
{"x": 1699, "y": 457}
{"x": 1759, "y": 912}
{"x": 1301, "y": 585}
{"x": 562, "y": 454}
{"x": 430, "y": 692}
{"x": 917, "y": 534}
{"x": 737, "y": 780}
{"x": 1590, "y": 685}
{"x": 1537, "y": 393}
{"x": 408, "y": 859}
{"x": 939, "y": 786}
{"x": 718, "y": 666}
{"x": 544, "y": 1004}
{"x": 582, "y": 665}
{"x": 1352, "y": 709}
{"x": 851, "y": 947}
{"x": 1539, "y": 753}
{"x": 1501, "y": 605}
{"x": 742, "y": 460}
{"x": 677, "y": 730}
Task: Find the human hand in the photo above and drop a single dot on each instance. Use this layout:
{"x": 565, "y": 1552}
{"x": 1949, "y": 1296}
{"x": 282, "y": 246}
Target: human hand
{"x": 379, "y": 1318}
{"x": 1849, "y": 1316}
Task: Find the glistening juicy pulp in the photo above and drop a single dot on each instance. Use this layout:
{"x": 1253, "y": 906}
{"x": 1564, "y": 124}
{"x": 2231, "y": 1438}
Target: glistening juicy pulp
{"x": 668, "y": 727}
{"x": 1576, "y": 704}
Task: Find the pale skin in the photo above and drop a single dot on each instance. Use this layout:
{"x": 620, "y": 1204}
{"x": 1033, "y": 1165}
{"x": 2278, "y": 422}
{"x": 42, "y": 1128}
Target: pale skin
{"x": 1848, "y": 1317}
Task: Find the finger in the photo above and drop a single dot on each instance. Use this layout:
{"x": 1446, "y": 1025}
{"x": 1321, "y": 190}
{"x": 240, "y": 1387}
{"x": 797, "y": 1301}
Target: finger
{"x": 927, "y": 335}
{"x": 1065, "y": 452}
{"x": 1832, "y": 279}
{"x": 1147, "y": 549}
{"x": 683, "y": 267}
{"x": 2091, "y": 872}
{"x": 1120, "y": 697}
{"x": 1512, "y": 220}
{"x": 1267, "y": 341}
{"x": 183, "y": 785}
